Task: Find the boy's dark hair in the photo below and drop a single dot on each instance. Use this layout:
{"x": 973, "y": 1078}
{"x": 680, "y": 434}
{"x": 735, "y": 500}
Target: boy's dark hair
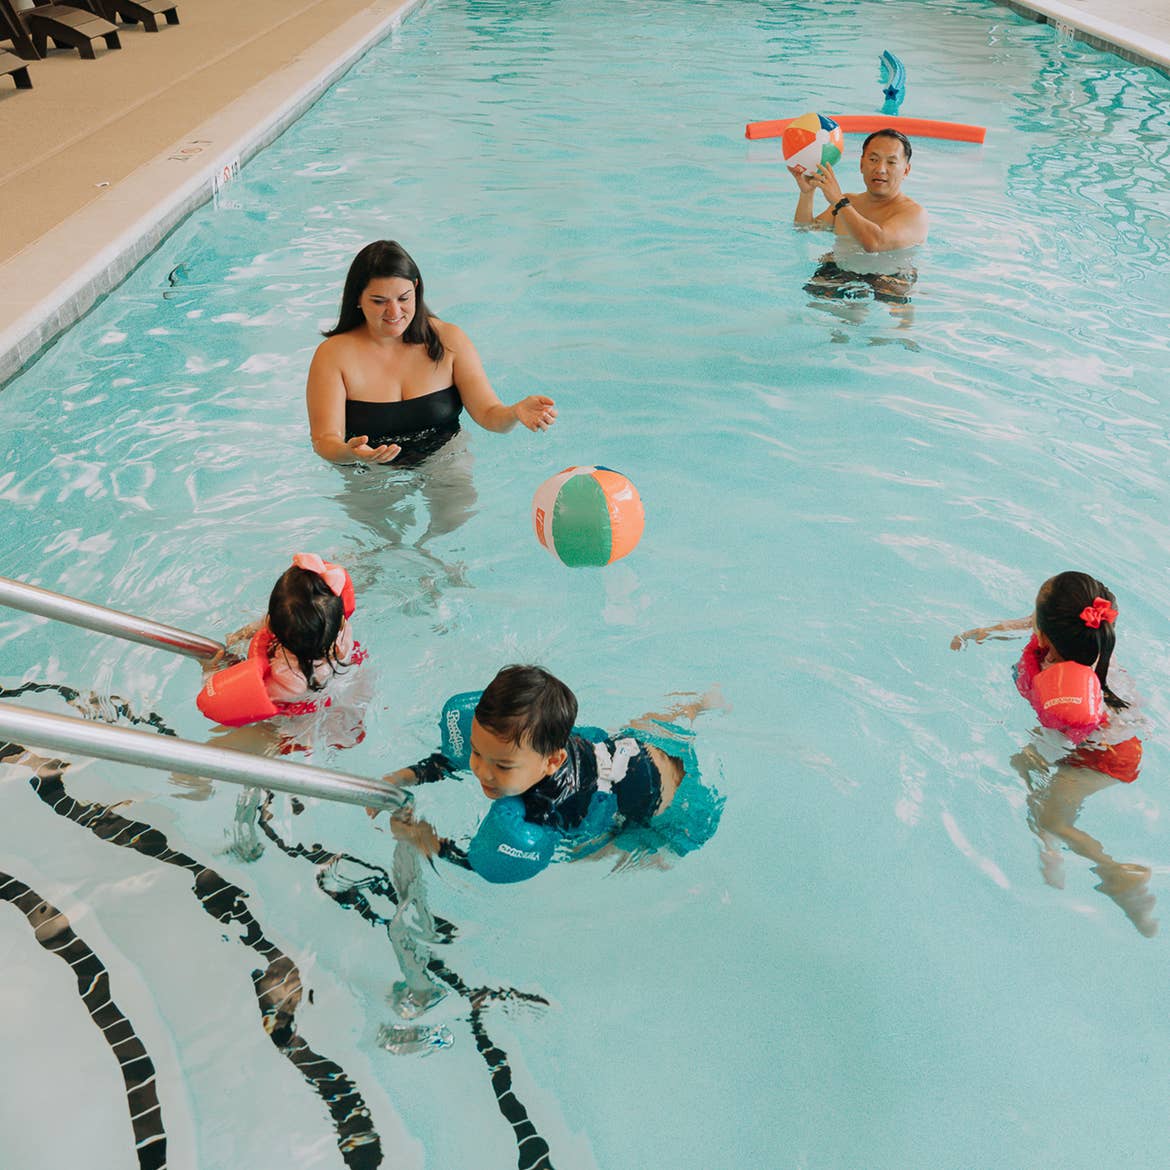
{"x": 375, "y": 261}
{"x": 1058, "y": 617}
{"x": 527, "y": 706}
{"x": 889, "y": 132}
{"x": 305, "y": 617}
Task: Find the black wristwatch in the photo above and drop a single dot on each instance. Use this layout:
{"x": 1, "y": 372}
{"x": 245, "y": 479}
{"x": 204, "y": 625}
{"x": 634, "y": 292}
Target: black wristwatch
{"x": 842, "y": 202}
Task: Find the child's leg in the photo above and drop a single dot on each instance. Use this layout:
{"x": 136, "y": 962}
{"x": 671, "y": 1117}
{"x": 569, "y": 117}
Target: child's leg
{"x": 670, "y": 775}
{"x": 710, "y": 700}
{"x": 1052, "y": 813}
{"x": 1053, "y": 809}
{"x": 658, "y": 724}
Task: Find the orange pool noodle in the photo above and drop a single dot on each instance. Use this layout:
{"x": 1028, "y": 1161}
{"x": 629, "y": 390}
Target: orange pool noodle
{"x": 868, "y": 123}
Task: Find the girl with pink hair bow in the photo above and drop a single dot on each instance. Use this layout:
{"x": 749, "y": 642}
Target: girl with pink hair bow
{"x": 295, "y": 651}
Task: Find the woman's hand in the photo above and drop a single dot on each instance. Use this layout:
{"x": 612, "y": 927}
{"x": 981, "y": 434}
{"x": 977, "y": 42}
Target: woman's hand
{"x": 537, "y": 412}
{"x": 360, "y": 448}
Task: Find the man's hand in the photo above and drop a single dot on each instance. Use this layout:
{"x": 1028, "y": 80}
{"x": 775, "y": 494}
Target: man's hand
{"x": 802, "y": 180}
{"x": 824, "y": 178}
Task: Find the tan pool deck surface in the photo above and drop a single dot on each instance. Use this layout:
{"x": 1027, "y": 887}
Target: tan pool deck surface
{"x": 100, "y": 158}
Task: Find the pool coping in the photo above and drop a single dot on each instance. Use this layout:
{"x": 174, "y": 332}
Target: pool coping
{"x": 61, "y": 275}
{"x": 1097, "y": 31}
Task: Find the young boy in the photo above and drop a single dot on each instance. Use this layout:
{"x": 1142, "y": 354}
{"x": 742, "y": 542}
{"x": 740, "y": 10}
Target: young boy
{"x": 553, "y": 787}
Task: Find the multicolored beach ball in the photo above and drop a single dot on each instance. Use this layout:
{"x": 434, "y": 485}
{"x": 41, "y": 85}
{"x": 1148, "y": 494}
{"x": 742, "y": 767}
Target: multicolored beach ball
{"x": 588, "y": 516}
{"x": 810, "y": 140}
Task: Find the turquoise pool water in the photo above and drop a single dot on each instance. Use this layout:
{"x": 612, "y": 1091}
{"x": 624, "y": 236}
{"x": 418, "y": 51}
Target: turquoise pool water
{"x": 864, "y": 967}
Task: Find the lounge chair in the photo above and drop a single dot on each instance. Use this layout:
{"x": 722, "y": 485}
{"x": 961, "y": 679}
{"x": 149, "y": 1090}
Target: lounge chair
{"x": 67, "y": 27}
{"x": 11, "y": 29}
{"x": 14, "y": 66}
{"x": 133, "y": 11}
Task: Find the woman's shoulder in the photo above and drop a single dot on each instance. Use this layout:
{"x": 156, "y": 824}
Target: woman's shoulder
{"x": 338, "y": 344}
{"x": 449, "y": 333}
{"x": 343, "y": 355}
{"x": 331, "y": 354}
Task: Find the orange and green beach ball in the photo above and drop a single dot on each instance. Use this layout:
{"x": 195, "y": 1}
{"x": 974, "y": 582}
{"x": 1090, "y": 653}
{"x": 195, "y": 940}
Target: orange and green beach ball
{"x": 809, "y": 141}
{"x": 588, "y": 516}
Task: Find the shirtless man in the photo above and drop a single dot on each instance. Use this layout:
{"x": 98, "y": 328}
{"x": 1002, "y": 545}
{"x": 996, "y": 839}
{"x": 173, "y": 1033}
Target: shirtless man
{"x": 881, "y": 219}
{"x": 873, "y": 229}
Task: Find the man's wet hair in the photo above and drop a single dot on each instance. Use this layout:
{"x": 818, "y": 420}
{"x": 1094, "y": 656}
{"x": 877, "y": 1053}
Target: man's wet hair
{"x": 890, "y": 132}
{"x": 527, "y": 706}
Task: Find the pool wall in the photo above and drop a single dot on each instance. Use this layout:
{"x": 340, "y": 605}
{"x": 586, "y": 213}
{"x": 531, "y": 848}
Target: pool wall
{"x": 1076, "y": 21}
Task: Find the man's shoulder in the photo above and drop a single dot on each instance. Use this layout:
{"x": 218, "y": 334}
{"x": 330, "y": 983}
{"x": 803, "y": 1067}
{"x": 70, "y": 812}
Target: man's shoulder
{"x": 899, "y": 205}
{"x": 906, "y": 212}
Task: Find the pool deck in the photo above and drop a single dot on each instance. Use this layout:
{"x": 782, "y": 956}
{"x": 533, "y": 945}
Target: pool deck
{"x": 104, "y": 157}
{"x": 107, "y": 156}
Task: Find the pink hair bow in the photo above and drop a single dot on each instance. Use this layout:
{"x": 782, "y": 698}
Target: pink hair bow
{"x": 1100, "y": 611}
{"x": 332, "y": 575}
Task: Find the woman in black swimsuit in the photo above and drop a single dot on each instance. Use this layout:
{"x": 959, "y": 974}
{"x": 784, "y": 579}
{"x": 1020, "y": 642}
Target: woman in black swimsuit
{"x": 390, "y": 380}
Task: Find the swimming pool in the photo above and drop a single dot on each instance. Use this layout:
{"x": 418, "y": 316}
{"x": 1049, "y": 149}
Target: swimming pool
{"x": 863, "y": 967}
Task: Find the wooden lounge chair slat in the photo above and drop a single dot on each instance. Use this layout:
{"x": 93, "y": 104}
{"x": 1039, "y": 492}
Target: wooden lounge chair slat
{"x": 134, "y": 11}
{"x": 12, "y": 29}
{"x": 11, "y": 64}
{"x": 67, "y": 26}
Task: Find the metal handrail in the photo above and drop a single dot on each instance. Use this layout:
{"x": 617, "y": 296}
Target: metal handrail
{"x": 45, "y": 603}
{"x": 148, "y": 750}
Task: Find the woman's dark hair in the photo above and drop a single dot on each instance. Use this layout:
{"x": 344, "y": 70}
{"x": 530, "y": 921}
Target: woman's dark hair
{"x": 889, "y": 132}
{"x": 1059, "y": 606}
{"x": 525, "y": 705}
{"x": 375, "y": 261}
{"x": 305, "y": 617}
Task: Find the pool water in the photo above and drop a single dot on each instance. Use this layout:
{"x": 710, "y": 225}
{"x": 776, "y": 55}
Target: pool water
{"x": 864, "y": 967}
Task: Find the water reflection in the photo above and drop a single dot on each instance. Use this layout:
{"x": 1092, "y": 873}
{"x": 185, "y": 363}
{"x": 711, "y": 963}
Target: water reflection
{"x": 848, "y": 277}
{"x": 409, "y": 507}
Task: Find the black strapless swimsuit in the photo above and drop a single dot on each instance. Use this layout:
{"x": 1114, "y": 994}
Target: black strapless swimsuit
{"x": 420, "y": 426}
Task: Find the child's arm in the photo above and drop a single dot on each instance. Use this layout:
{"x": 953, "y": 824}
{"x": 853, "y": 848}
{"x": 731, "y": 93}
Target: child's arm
{"x": 248, "y": 631}
{"x": 227, "y": 656}
{"x": 505, "y": 848}
{"x": 435, "y": 767}
{"x": 979, "y": 633}
{"x": 422, "y": 835}
{"x": 427, "y": 771}
{"x": 419, "y": 833}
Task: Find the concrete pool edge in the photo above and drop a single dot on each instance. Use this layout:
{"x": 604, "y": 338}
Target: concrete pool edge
{"x": 58, "y": 278}
{"x": 1096, "y": 30}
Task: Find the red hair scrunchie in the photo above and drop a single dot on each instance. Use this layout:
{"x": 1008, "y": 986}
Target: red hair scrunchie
{"x": 1100, "y": 611}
